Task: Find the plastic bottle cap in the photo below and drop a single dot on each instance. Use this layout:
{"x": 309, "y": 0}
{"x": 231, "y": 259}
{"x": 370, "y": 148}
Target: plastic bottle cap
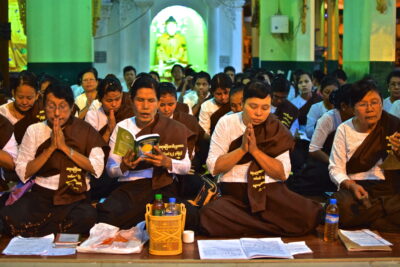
{"x": 332, "y": 201}
{"x": 158, "y": 196}
{"x": 172, "y": 200}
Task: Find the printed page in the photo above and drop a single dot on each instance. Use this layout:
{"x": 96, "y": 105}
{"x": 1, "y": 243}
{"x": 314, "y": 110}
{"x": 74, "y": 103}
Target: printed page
{"x": 29, "y": 246}
{"x": 265, "y": 248}
{"x": 220, "y": 249}
{"x": 365, "y": 238}
{"x": 298, "y": 248}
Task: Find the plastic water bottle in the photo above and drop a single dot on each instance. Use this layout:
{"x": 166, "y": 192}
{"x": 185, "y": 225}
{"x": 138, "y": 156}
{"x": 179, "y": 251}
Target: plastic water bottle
{"x": 331, "y": 221}
{"x": 172, "y": 209}
{"x": 158, "y": 206}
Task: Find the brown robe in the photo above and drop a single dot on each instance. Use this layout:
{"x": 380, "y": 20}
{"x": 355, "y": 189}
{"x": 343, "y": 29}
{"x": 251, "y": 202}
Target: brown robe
{"x": 81, "y": 137}
{"x": 303, "y": 111}
{"x": 124, "y": 112}
{"x": 182, "y": 107}
{"x": 256, "y": 207}
{"x": 126, "y": 205}
{"x": 36, "y": 114}
{"x": 384, "y": 196}
{"x": 223, "y": 109}
{"x": 6, "y": 132}
{"x": 173, "y": 143}
{"x": 193, "y": 125}
{"x": 287, "y": 113}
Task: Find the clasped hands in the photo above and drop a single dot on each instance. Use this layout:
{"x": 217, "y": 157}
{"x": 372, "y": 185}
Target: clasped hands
{"x": 158, "y": 160}
{"x": 249, "y": 142}
{"x": 57, "y": 138}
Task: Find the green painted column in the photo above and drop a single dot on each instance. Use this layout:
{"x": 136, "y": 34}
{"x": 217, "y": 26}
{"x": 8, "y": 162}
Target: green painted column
{"x": 369, "y": 39}
{"x": 59, "y": 36}
{"x": 288, "y": 51}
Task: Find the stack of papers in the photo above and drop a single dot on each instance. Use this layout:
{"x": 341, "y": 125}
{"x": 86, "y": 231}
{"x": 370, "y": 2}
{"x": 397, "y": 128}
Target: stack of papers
{"x": 42, "y": 246}
{"x": 250, "y": 248}
{"x": 363, "y": 240}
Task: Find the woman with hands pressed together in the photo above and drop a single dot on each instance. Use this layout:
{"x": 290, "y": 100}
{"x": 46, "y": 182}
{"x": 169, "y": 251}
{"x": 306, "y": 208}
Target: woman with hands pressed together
{"x": 56, "y": 156}
{"x": 368, "y": 194}
{"x": 249, "y": 152}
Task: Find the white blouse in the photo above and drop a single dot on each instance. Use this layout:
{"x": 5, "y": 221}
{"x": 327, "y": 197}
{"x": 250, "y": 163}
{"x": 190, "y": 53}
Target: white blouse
{"x": 346, "y": 142}
{"x": 96, "y": 117}
{"x": 327, "y": 124}
{"x": 206, "y": 110}
{"x": 5, "y": 111}
{"x": 229, "y": 128}
{"x": 37, "y": 134}
{"x": 316, "y": 111}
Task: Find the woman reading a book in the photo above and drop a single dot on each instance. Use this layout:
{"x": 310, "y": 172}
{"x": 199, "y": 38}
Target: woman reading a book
{"x": 369, "y": 193}
{"x": 250, "y": 153}
{"x": 57, "y": 154}
{"x": 140, "y": 178}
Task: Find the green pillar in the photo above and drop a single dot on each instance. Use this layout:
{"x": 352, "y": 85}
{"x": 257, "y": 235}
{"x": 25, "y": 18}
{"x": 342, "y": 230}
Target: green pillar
{"x": 369, "y": 39}
{"x": 287, "y": 51}
{"x": 59, "y": 36}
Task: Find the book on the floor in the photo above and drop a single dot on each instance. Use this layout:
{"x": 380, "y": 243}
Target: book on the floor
{"x": 244, "y": 248}
{"x": 126, "y": 141}
{"x": 66, "y": 240}
{"x": 364, "y": 240}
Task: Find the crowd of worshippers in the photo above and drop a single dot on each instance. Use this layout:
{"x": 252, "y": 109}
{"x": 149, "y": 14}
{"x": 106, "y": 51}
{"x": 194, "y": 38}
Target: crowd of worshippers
{"x": 266, "y": 142}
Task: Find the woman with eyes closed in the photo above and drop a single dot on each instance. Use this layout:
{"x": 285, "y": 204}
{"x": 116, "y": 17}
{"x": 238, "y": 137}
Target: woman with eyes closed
{"x": 249, "y": 152}
{"x": 368, "y": 193}
{"x": 25, "y": 109}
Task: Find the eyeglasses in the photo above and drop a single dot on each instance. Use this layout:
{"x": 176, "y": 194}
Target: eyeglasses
{"x": 52, "y": 107}
{"x": 394, "y": 84}
{"x": 373, "y": 103}
{"x": 88, "y": 80}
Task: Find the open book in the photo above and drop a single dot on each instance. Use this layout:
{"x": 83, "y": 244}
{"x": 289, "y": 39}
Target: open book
{"x": 363, "y": 240}
{"x": 126, "y": 141}
{"x": 244, "y": 248}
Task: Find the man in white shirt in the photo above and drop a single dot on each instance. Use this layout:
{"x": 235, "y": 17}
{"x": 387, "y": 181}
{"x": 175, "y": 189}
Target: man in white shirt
{"x": 57, "y": 153}
{"x": 393, "y": 82}
{"x": 142, "y": 177}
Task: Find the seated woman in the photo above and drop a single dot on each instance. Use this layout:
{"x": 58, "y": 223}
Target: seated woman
{"x": 59, "y": 153}
{"x": 115, "y": 107}
{"x": 25, "y": 109}
{"x": 368, "y": 195}
{"x": 89, "y": 81}
{"x": 303, "y": 102}
{"x": 314, "y": 178}
{"x": 328, "y": 85}
{"x": 250, "y": 153}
